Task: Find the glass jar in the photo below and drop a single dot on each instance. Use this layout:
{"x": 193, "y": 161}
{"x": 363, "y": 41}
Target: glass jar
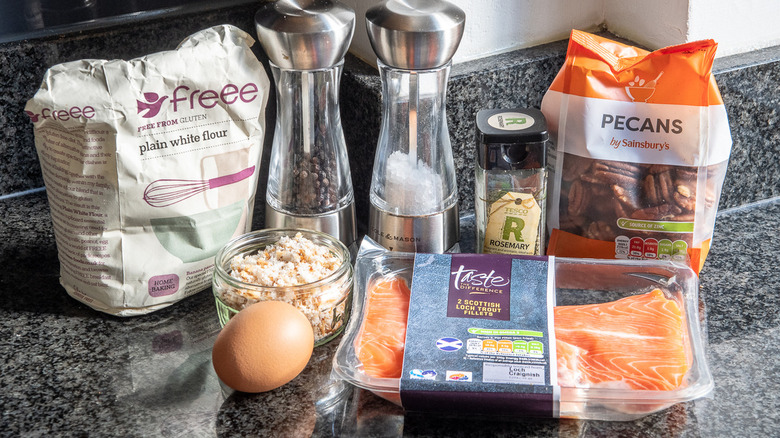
{"x": 511, "y": 181}
{"x": 325, "y": 302}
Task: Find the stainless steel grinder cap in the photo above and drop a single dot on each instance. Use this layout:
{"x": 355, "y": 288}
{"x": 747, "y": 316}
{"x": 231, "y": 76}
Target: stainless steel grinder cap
{"x": 305, "y": 34}
{"x": 415, "y": 34}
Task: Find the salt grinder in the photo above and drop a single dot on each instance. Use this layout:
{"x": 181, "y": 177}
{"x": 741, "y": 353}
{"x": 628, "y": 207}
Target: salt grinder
{"x": 309, "y": 182}
{"x": 414, "y": 194}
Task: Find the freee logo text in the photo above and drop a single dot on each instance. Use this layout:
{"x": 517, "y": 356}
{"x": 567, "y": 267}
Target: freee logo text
{"x": 183, "y": 96}
{"x": 152, "y": 104}
{"x": 73, "y": 112}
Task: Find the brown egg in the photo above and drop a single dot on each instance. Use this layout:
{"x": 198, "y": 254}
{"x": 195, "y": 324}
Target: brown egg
{"x": 263, "y": 347}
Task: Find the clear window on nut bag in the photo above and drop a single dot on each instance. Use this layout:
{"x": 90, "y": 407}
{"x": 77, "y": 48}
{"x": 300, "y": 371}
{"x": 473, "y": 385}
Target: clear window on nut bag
{"x": 642, "y": 143}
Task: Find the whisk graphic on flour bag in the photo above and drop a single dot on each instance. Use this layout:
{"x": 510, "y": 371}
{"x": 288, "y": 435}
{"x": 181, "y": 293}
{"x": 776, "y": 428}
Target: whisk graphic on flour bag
{"x": 642, "y": 142}
{"x": 119, "y": 167}
{"x": 165, "y": 192}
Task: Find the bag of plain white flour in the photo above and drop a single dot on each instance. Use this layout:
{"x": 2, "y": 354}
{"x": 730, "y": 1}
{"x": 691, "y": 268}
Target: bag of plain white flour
{"x": 150, "y": 167}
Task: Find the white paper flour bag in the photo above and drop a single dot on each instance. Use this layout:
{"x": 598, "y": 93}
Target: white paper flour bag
{"x": 150, "y": 167}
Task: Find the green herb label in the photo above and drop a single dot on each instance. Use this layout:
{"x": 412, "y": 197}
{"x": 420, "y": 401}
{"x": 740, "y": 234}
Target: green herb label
{"x": 513, "y": 225}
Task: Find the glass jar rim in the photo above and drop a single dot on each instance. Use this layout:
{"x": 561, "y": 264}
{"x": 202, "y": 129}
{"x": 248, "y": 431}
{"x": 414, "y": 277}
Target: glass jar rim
{"x": 249, "y": 244}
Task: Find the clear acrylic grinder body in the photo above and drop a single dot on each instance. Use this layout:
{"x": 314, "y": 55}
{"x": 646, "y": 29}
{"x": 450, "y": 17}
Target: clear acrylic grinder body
{"x": 309, "y": 180}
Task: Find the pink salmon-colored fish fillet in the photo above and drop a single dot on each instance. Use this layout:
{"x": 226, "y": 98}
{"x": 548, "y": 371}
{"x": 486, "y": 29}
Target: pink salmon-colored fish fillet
{"x": 380, "y": 345}
{"x": 636, "y": 342}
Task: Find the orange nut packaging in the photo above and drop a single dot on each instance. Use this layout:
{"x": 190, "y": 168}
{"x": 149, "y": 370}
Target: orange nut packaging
{"x": 642, "y": 142}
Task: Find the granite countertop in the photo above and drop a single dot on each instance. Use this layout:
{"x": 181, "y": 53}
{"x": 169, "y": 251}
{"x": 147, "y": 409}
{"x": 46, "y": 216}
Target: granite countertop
{"x": 68, "y": 370}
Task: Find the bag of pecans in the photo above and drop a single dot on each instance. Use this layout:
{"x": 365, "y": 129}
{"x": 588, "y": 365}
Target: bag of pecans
{"x": 642, "y": 142}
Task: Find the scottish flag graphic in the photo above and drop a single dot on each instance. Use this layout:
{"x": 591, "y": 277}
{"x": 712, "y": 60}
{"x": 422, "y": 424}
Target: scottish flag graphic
{"x": 449, "y": 344}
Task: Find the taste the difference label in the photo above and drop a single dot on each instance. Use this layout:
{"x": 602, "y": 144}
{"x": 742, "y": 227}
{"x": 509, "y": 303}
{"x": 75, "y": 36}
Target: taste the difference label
{"x": 479, "y": 336}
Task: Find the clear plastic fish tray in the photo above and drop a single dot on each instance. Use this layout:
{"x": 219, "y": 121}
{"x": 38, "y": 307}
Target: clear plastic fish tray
{"x": 628, "y": 337}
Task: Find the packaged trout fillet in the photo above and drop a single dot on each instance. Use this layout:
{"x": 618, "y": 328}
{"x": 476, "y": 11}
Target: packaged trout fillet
{"x": 642, "y": 142}
{"x": 524, "y": 336}
{"x": 150, "y": 167}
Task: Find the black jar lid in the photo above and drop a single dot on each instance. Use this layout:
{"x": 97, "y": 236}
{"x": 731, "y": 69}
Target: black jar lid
{"x": 513, "y": 138}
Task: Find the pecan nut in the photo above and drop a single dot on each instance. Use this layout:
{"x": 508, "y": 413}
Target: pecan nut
{"x": 657, "y": 188}
{"x": 573, "y": 167}
{"x": 626, "y": 197}
{"x": 578, "y": 199}
{"x": 600, "y": 230}
{"x": 685, "y": 197}
{"x": 596, "y": 193}
{"x": 624, "y": 174}
{"x": 659, "y": 212}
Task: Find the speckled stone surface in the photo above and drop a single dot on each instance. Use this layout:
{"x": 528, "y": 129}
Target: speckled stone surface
{"x": 739, "y": 287}
{"x": 750, "y": 87}
{"x": 67, "y": 370}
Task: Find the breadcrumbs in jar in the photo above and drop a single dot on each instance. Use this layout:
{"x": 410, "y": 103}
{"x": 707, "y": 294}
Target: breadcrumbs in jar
{"x": 292, "y": 270}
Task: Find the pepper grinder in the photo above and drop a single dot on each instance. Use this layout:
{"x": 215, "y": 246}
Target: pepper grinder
{"x": 414, "y": 194}
{"x": 309, "y": 181}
